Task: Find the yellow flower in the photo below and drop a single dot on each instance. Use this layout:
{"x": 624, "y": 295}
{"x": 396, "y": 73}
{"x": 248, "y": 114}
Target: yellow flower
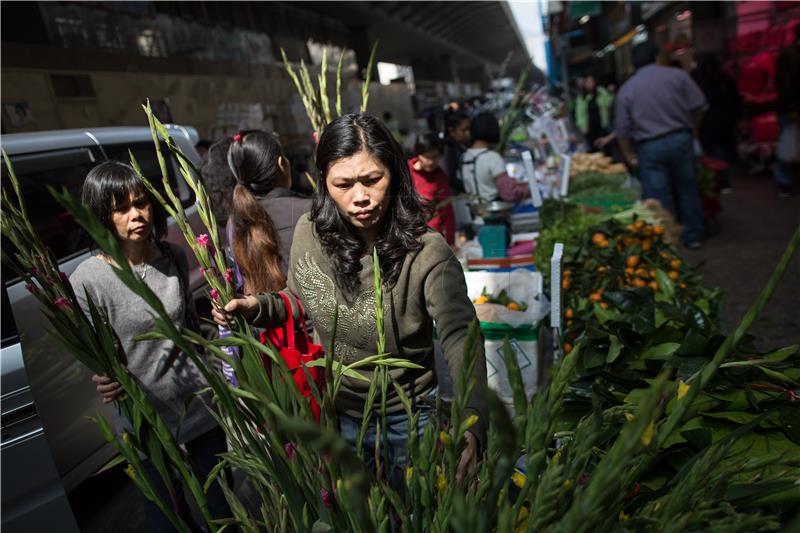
{"x": 647, "y": 436}
{"x": 522, "y": 517}
{"x": 629, "y": 417}
{"x": 130, "y": 471}
{"x": 441, "y": 481}
{"x": 445, "y": 438}
{"x": 470, "y": 421}
{"x": 624, "y": 517}
{"x": 518, "y": 478}
{"x": 126, "y": 437}
{"x": 683, "y": 388}
{"x": 409, "y": 475}
{"x": 567, "y": 484}
{"x": 557, "y": 456}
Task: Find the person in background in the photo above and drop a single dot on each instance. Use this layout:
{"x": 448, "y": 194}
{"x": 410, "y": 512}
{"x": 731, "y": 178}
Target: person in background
{"x": 787, "y": 84}
{"x": 366, "y": 201}
{"x": 202, "y": 147}
{"x": 717, "y": 131}
{"x": 456, "y": 140}
{"x": 657, "y": 110}
{"x": 432, "y": 184}
{"x": 172, "y": 381}
{"x": 593, "y": 110}
{"x": 483, "y": 170}
{"x": 264, "y": 211}
{"x": 218, "y": 179}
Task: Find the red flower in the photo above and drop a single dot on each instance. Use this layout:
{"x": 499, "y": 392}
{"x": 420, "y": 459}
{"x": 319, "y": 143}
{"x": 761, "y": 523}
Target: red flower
{"x": 326, "y": 498}
{"x": 228, "y": 275}
{"x": 793, "y": 396}
{"x": 202, "y": 240}
{"x": 214, "y": 294}
{"x": 289, "y": 449}
{"x": 33, "y": 289}
{"x": 62, "y": 303}
{"x": 237, "y": 138}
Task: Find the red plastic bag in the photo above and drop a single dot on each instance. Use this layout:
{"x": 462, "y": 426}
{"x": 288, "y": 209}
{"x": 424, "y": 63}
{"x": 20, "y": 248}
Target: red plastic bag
{"x": 297, "y": 353}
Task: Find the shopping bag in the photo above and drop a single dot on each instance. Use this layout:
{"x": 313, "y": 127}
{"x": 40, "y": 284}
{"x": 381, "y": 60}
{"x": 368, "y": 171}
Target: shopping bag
{"x": 297, "y": 353}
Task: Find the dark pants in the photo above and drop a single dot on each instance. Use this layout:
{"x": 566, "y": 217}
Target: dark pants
{"x": 203, "y": 452}
{"x": 782, "y": 171}
{"x": 667, "y": 170}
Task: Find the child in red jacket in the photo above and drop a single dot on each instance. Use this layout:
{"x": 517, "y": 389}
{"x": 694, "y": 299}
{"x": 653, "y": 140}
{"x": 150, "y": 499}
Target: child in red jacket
{"x": 432, "y": 184}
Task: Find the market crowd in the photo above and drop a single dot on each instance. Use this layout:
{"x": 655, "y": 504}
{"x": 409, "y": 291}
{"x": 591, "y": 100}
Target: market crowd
{"x": 294, "y": 254}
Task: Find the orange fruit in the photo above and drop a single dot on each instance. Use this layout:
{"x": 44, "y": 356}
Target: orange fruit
{"x": 598, "y": 237}
{"x": 632, "y": 261}
{"x": 630, "y": 227}
{"x": 595, "y": 297}
{"x": 652, "y": 273}
{"x": 567, "y": 347}
{"x": 653, "y": 285}
{"x": 604, "y": 305}
{"x": 629, "y": 271}
{"x": 673, "y": 275}
{"x": 647, "y": 244}
{"x": 566, "y": 284}
{"x": 639, "y": 282}
{"x": 675, "y": 264}
{"x": 659, "y": 229}
{"x": 665, "y": 255}
{"x": 682, "y": 285}
{"x": 648, "y": 230}
{"x": 639, "y": 224}
{"x": 642, "y": 273}
{"x": 603, "y": 244}
{"x": 569, "y": 323}
{"x": 569, "y": 313}
{"x": 567, "y": 273}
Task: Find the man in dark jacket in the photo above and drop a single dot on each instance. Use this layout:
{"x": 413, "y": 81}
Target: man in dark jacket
{"x": 787, "y": 84}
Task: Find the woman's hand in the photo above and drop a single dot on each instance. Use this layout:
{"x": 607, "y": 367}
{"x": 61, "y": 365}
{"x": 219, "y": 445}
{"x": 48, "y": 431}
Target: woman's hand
{"x": 246, "y": 305}
{"x": 108, "y": 389}
{"x": 601, "y": 142}
{"x": 469, "y": 458}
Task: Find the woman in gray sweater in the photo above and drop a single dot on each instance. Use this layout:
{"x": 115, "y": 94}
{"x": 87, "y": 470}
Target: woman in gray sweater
{"x": 120, "y": 201}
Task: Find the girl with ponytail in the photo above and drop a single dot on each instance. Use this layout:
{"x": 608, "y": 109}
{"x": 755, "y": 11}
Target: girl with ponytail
{"x": 264, "y": 210}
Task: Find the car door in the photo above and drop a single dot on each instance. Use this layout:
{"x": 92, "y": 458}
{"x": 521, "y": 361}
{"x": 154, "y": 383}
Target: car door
{"x": 33, "y": 498}
{"x": 61, "y": 387}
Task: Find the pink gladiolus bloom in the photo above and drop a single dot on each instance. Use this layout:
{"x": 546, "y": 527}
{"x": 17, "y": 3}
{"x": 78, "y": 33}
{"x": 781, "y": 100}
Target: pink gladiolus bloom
{"x": 34, "y": 271}
{"x": 33, "y": 289}
{"x": 212, "y": 251}
{"x": 326, "y": 498}
{"x": 228, "y": 275}
{"x": 289, "y": 449}
{"x": 62, "y": 303}
{"x": 202, "y": 240}
{"x": 214, "y": 294}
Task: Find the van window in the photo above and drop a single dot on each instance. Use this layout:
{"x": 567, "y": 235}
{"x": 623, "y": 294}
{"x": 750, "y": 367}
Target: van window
{"x": 145, "y": 155}
{"x": 61, "y": 168}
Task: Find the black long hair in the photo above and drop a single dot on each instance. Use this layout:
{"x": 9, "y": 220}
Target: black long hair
{"x": 218, "y": 178}
{"x": 110, "y": 184}
{"x": 253, "y": 158}
{"x": 402, "y": 224}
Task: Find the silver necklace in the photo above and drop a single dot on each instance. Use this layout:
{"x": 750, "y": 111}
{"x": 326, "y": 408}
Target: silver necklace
{"x": 141, "y": 270}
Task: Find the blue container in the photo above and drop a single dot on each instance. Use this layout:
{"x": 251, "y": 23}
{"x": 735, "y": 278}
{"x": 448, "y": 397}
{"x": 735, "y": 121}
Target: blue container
{"x": 493, "y": 240}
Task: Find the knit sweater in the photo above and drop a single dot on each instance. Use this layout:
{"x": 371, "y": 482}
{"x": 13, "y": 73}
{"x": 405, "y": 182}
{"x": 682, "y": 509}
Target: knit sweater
{"x": 166, "y": 374}
{"x": 429, "y": 290}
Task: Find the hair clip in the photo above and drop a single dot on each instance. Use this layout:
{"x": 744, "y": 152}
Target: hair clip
{"x": 237, "y": 138}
